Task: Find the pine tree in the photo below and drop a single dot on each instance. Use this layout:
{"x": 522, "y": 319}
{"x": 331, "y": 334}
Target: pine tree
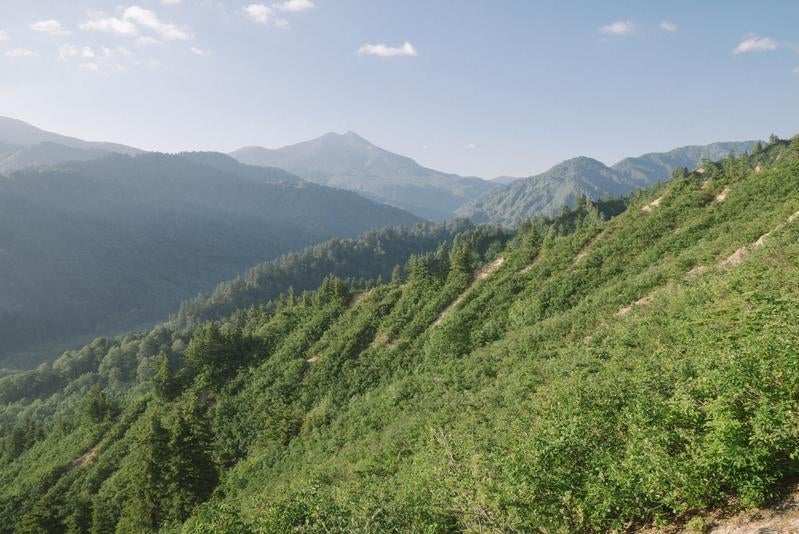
{"x": 95, "y": 406}
{"x": 192, "y": 472}
{"x": 164, "y": 383}
{"x": 147, "y": 504}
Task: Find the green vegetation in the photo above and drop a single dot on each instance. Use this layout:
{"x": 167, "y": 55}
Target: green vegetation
{"x": 597, "y": 374}
{"x": 561, "y": 185}
{"x": 105, "y": 246}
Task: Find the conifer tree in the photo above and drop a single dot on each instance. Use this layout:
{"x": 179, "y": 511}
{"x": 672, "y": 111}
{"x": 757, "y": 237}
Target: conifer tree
{"x": 147, "y": 505}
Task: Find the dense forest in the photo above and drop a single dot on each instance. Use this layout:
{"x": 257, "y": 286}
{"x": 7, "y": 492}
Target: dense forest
{"x": 617, "y": 365}
{"x": 105, "y": 246}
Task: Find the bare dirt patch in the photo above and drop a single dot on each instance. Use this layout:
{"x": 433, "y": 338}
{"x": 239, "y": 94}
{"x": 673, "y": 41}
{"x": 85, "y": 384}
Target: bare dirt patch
{"x": 486, "y": 271}
{"x": 722, "y": 196}
{"x": 738, "y": 256}
{"x": 86, "y": 458}
{"x": 643, "y": 301}
{"x": 782, "y": 518}
{"x": 652, "y": 205}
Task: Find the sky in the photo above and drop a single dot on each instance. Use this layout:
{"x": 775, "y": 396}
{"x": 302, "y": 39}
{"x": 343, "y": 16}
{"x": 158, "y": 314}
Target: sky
{"x": 508, "y": 87}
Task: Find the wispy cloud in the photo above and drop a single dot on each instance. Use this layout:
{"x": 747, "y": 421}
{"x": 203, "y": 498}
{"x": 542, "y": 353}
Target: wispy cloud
{"x": 753, "y": 43}
{"x": 470, "y": 146}
{"x": 100, "y": 59}
{"x": 68, "y": 51}
{"x": 21, "y": 53}
{"x": 796, "y": 70}
{"x": 269, "y": 14}
{"x": 3, "y": 36}
{"x": 144, "y": 18}
{"x": 620, "y": 27}
{"x": 382, "y": 50}
{"x": 294, "y": 5}
{"x": 170, "y": 2}
{"x": 668, "y": 26}
{"x": 199, "y": 51}
{"x": 259, "y": 13}
{"x": 51, "y": 26}
{"x": 135, "y": 21}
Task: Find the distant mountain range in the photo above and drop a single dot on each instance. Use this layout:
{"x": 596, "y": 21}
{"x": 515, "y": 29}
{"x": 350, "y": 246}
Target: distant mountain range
{"x": 349, "y": 161}
{"x": 23, "y": 145}
{"x": 97, "y": 247}
{"x": 548, "y": 192}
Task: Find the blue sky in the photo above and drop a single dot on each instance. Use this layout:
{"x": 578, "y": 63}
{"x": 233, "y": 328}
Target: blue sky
{"x": 468, "y": 86}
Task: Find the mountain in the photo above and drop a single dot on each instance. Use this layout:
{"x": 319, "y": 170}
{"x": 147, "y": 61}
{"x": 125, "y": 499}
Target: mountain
{"x": 23, "y": 145}
{"x": 505, "y": 180}
{"x": 103, "y": 246}
{"x": 575, "y": 374}
{"x": 349, "y": 161}
{"x": 562, "y": 184}
{"x": 547, "y": 192}
{"x": 657, "y": 166}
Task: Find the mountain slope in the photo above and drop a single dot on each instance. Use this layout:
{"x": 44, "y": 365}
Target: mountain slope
{"x": 550, "y": 191}
{"x": 23, "y": 145}
{"x": 546, "y": 192}
{"x": 350, "y": 162}
{"x": 109, "y": 244}
{"x": 657, "y": 166}
{"x": 594, "y": 375}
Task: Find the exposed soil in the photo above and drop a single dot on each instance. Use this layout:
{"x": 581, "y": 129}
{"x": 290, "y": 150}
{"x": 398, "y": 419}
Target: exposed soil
{"x": 482, "y": 274}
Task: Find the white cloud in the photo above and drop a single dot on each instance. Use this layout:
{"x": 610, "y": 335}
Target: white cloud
{"x": 294, "y": 5}
{"x": 21, "y": 53}
{"x": 134, "y": 20}
{"x": 170, "y": 2}
{"x": 90, "y": 66}
{"x": 470, "y": 146}
{"x": 259, "y": 13}
{"x": 144, "y": 18}
{"x": 53, "y": 27}
{"x": 668, "y": 26}
{"x": 620, "y": 27}
{"x": 796, "y": 70}
{"x": 110, "y": 25}
{"x": 199, "y": 51}
{"x": 68, "y": 51}
{"x": 381, "y": 50}
{"x": 146, "y": 40}
{"x": 3, "y": 36}
{"x": 753, "y": 43}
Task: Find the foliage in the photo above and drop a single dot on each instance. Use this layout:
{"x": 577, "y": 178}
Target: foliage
{"x": 578, "y": 375}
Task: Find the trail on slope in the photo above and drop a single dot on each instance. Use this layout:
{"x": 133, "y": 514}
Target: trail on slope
{"x": 738, "y": 256}
{"x": 482, "y": 274}
{"x": 588, "y": 246}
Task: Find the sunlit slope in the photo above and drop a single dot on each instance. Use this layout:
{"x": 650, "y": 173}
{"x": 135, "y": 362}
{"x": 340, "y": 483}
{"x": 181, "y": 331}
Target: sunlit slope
{"x": 585, "y": 375}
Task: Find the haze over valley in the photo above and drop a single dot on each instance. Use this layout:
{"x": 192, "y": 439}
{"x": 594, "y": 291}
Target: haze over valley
{"x": 314, "y": 266}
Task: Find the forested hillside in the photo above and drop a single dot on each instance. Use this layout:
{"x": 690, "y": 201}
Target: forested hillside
{"x": 561, "y": 185}
{"x": 581, "y": 374}
{"x": 101, "y": 247}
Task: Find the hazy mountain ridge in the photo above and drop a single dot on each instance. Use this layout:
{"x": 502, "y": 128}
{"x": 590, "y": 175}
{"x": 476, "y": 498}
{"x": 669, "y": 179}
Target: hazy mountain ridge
{"x": 562, "y": 184}
{"x": 657, "y": 347}
{"x": 111, "y": 243}
{"x": 351, "y": 162}
{"x": 23, "y": 145}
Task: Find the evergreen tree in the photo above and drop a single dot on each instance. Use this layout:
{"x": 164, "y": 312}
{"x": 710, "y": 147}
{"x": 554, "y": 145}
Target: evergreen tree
{"x": 192, "y": 472}
{"x": 148, "y": 502}
{"x": 95, "y": 406}
{"x": 164, "y": 383}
